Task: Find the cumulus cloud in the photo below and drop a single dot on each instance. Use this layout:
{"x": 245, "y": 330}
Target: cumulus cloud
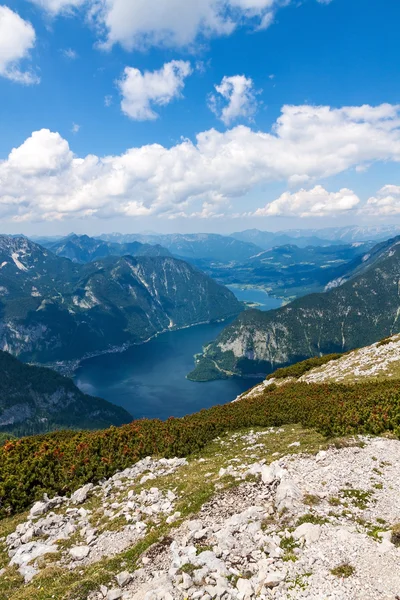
{"x": 142, "y": 90}
{"x": 17, "y": 38}
{"x": 239, "y": 96}
{"x": 43, "y": 179}
{"x": 168, "y": 23}
{"x": 317, "y": 202}
{"x": 385, "y": 204}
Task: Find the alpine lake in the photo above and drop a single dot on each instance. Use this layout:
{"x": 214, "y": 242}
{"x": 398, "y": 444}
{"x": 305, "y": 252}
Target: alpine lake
{"x": 149, "y": 380}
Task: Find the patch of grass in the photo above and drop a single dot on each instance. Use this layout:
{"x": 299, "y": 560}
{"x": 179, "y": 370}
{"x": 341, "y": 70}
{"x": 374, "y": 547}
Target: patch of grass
{"x": 377, "y": 471}
{"x": 200, "y": 548}
{"x": 311, "y": 518}
{"x": 289, "y": 544}
{"x": 333, "y": 501}
{"x": 189, "y": 568}
{"x": 343, "y": 571}
{"x": 299, "y": 582}
{"x": 311, "y": 500}
{"x": 359, "y": 498}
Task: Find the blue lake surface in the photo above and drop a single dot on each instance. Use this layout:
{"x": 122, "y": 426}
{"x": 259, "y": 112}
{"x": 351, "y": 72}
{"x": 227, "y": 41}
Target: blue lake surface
{"x": 150, "y": 380}
{"x": 256, "y": 295}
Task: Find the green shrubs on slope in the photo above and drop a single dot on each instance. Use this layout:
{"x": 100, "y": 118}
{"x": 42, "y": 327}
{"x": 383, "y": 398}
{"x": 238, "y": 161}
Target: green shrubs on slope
{"x": 297, "y": 370}
{"x": 59, "y": 463}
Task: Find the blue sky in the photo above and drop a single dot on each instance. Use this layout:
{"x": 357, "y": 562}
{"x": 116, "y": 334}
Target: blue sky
{"x": 339, "y": 167}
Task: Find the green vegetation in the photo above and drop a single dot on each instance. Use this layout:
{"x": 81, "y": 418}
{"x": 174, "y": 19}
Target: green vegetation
{"x": 59, "y": 463}
{"x": 289, "y": 545}
{"x": 344, "y": 571}
{"x": 311, "y": 500}
{"x": 384, "y": 342}
{"x": 192, "y": 487}
{"x": 299, "y": 369}
{"x": 189, "y": 568}
{"x": 311, "y": 518}
{"x": 359, "y": 498}
{"x": 5, "y": 437}
{"x": 37, "y": 400}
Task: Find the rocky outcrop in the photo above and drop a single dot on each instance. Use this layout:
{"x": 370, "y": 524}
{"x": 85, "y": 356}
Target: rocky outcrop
{"x": 305, "y": 526}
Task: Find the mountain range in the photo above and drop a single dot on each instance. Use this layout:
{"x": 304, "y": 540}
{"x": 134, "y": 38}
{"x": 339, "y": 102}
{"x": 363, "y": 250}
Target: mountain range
{"x": 356, "y": 313}
{"x": 285, "y": 271}
{"x": 35, "y": 400}
{"x": 52, "y": 309}
{"x": 84, "y": 249}
{"x": 211, "y": 246}
{"x": 290, "y": 271}
{"x": 317, "y": 237}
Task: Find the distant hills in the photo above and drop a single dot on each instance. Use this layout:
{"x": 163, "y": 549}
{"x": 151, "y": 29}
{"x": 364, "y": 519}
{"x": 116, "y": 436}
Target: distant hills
{"x": 317, "y": 237}
{"x": 83, "y": 249}
{"x": 359, "y": 312}
{"x": 36, "y": 400}
{"x": 288, "y": 271}
{"x": 211, "y": 246}
{"x": 52, "y": 309}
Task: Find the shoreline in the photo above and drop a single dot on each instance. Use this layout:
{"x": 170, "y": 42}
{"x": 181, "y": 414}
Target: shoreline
{"x": 69, "y": 367}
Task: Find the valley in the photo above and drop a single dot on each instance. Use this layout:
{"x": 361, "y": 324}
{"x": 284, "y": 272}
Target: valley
{"x": 349, "y": 315}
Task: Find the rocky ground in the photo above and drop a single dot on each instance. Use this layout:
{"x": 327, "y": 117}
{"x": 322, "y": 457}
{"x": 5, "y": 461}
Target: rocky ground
{"x": 313, "y": 523}
{"x": 378, "y": 361}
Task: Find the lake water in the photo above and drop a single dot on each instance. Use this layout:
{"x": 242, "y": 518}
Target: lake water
{"x": 150, "y": 380}
{"x": 256, "y": 295}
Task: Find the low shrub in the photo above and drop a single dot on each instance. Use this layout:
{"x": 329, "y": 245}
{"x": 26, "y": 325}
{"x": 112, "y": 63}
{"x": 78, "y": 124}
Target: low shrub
{"x": 61, "y": 462}
{"x": 384, "y": 342}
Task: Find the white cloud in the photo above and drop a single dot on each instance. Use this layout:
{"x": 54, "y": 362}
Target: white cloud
{"x": 108, "y": 100}
{"x": 385, "y": 204}
{"x": 140, "y": 91}
{"x": 70, "y": 54}
{"x": 240, "y": 96}
{"x": 168, "y": 23}
{"x": 317, "y": 202}
{"x": 17, "y": 38}
{"x": 75, "y": 128}
{"x": 55, "y": 7}
{"x": 43, "y": 179}
{"x": 172, "y": 23}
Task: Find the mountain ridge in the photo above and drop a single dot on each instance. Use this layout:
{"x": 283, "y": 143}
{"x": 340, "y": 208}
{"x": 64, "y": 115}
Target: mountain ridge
{"x": 37, "y": 400}
{"x": 338, "y": 320}
{"x": 52, "y": 309}
{"x": 82, "y": 249}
